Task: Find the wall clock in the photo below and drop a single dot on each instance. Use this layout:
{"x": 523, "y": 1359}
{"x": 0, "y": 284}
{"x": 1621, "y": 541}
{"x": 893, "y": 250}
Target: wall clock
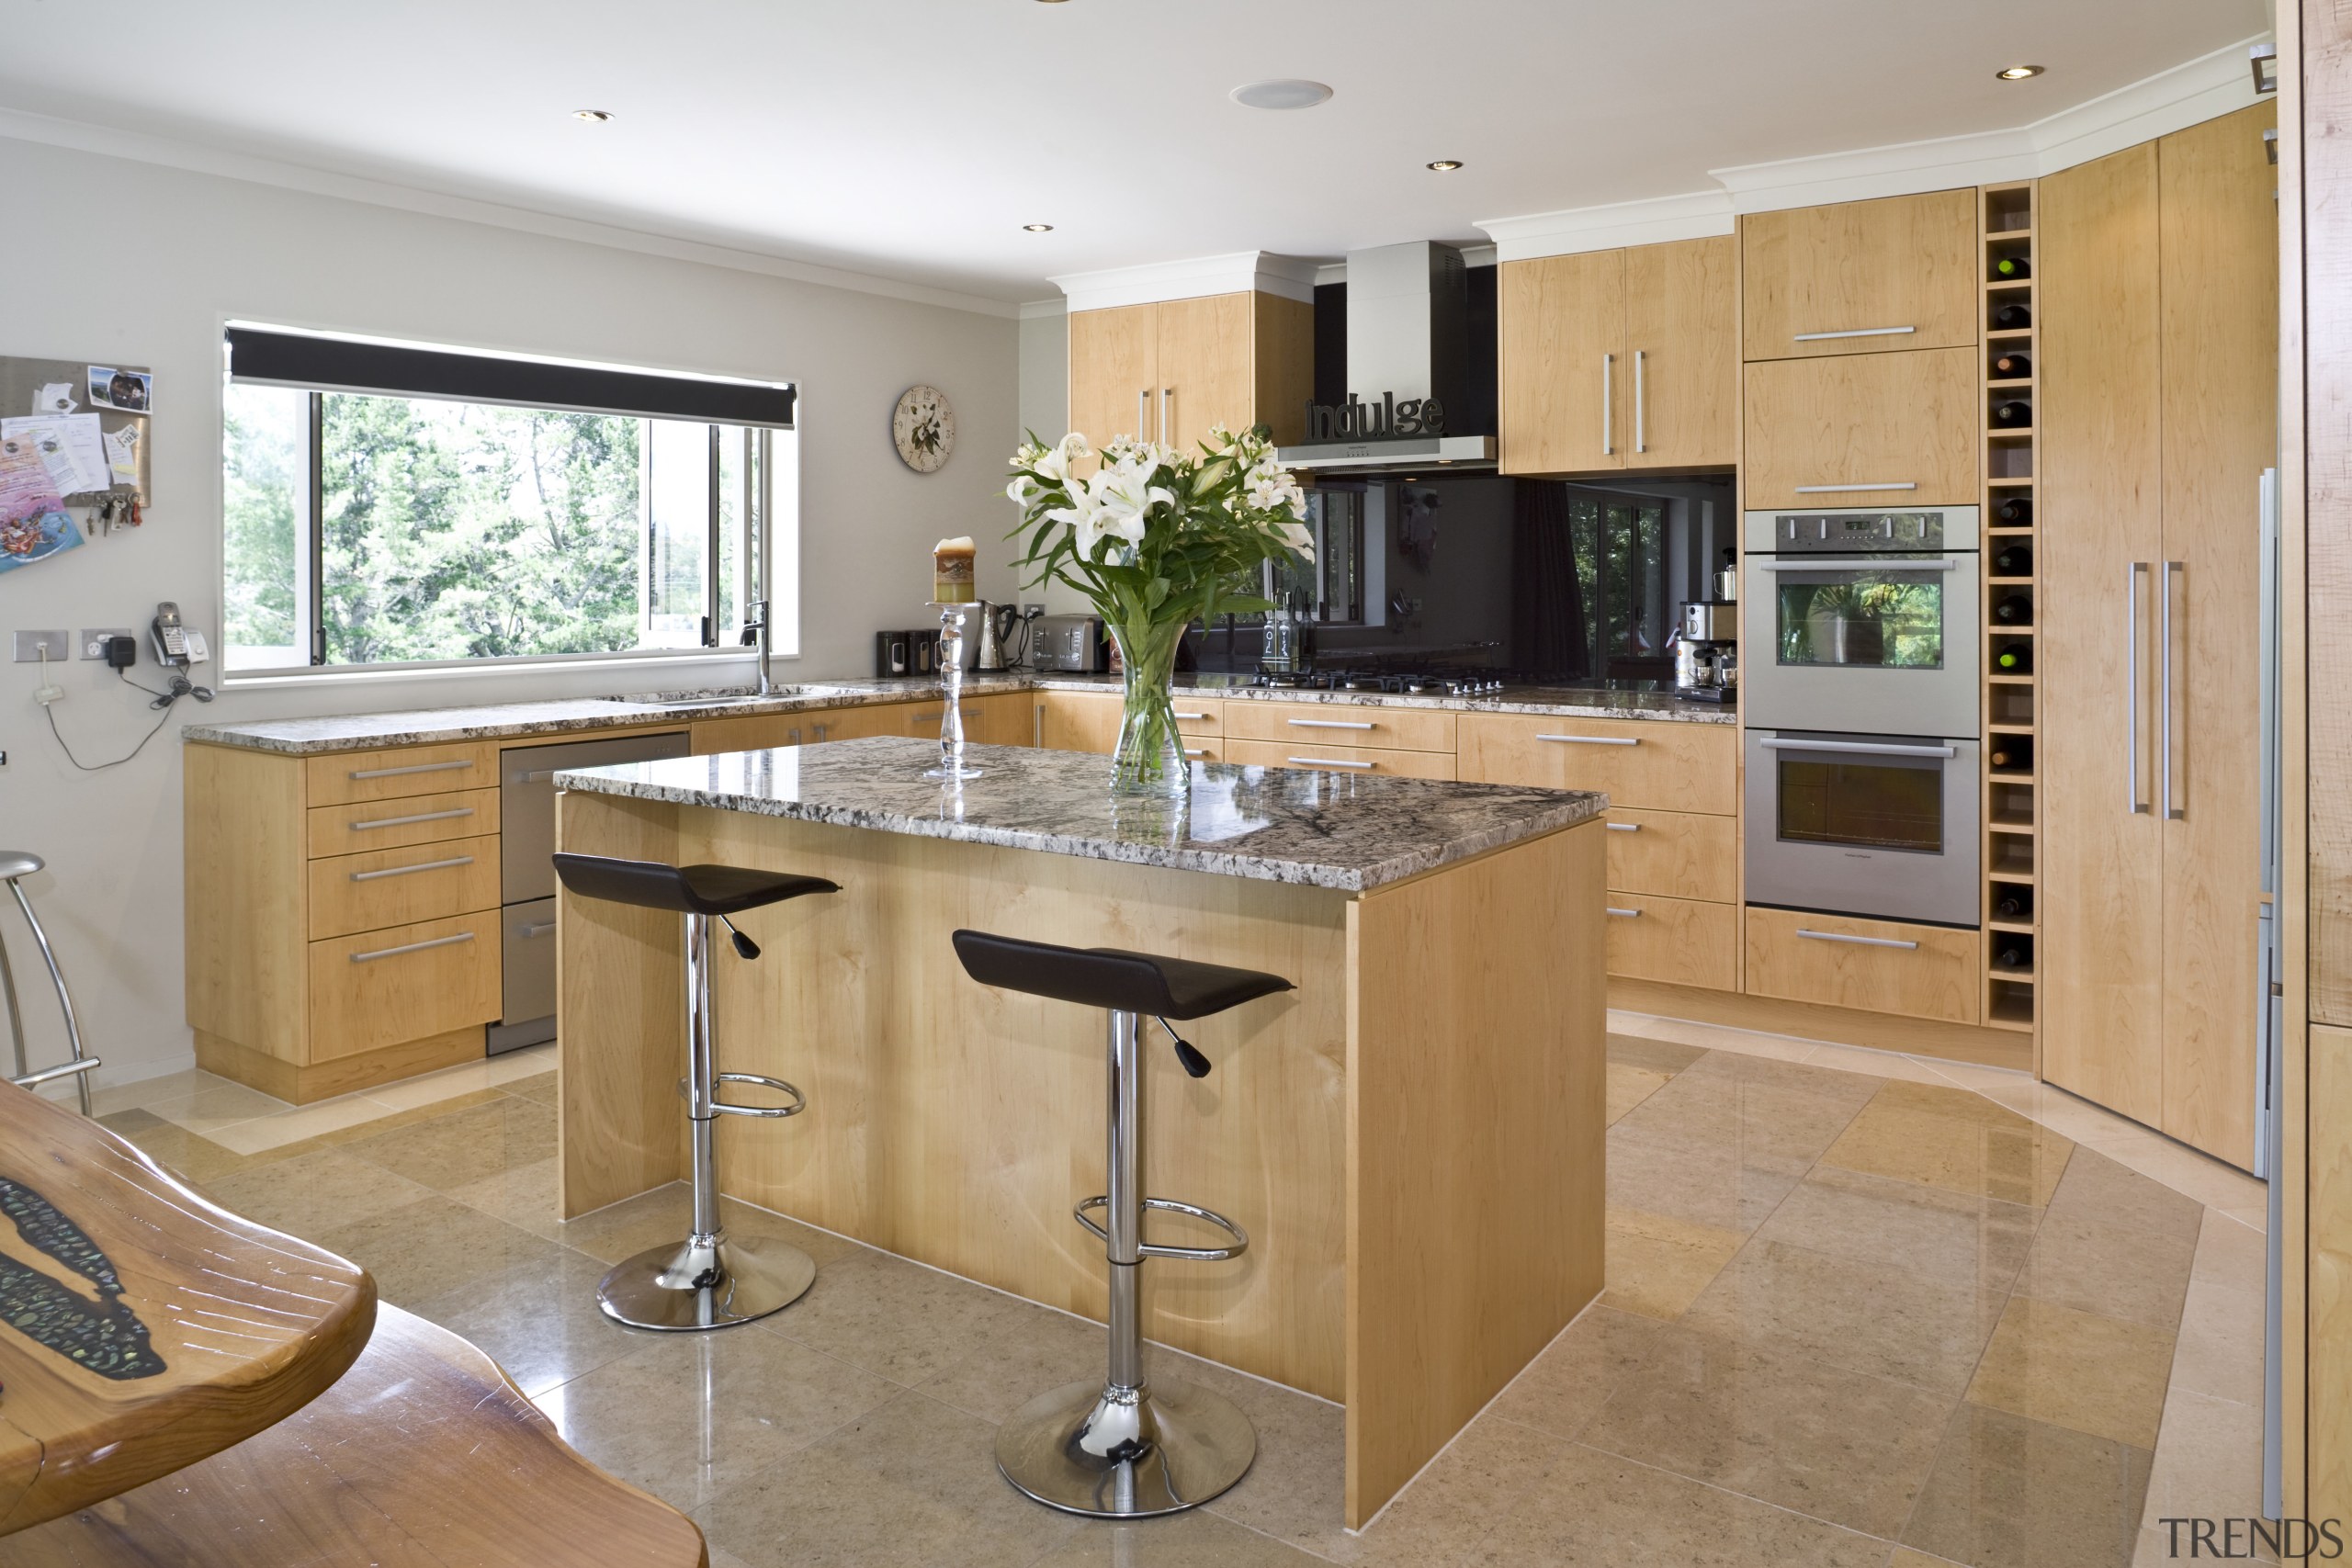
{"x": 923, "y": 429}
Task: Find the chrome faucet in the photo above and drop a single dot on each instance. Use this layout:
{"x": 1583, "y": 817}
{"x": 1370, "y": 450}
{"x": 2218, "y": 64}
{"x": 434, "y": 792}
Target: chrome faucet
{"x": 758, "y": 627}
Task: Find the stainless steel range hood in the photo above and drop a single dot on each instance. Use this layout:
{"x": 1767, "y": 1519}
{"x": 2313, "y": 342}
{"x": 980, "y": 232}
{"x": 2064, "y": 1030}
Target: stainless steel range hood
{"x": 1408, "y": 308}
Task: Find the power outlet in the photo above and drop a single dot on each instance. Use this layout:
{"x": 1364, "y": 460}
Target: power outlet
{"x": 92, "y": 640}
{"x": 30, "y": 645}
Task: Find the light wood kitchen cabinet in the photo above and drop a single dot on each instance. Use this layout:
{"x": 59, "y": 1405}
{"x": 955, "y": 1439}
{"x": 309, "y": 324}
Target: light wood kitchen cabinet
{"x": 419, "y": 820}
{"x": 1619, "y": 359}
{"x": 1680, "y": 942}
{"x": 1864, "y": 430}
{"x": 1876, "y": 966}
{"x": 1080, "y": 721}
{"x": 2159, "y": 327}
{"x": 1677, "y": 854}
{"x": 377, "y": 888}
{"x": 1169, "y": 371}
{"x": 1861, "y": 276}
{"x": 1342, "y": 724}
{"x": 1308, "y": 751}
{"x": 1656, "y": 764}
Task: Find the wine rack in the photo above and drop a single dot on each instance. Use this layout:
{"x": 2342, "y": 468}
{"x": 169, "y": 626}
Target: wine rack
{"x": 2008, "y": 784}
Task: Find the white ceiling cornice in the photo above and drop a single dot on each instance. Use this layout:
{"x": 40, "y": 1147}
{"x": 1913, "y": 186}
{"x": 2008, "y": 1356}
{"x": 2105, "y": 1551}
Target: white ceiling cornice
{"x": 1292, "y": 278}
{"x": 197, "y": 158}
{"x": 2172, "y": 100}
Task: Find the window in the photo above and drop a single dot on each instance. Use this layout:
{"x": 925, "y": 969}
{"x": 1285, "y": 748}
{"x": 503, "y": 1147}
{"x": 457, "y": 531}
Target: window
{"x": 367, "y": 525}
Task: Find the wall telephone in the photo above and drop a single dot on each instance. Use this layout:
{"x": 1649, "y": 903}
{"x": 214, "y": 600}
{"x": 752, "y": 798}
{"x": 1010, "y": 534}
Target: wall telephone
{"x": 175, "y": 645}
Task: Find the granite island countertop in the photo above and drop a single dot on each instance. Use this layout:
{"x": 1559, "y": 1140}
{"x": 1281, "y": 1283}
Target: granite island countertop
{"x": 527, "y": 720}
{"x": 1345, "y": 832}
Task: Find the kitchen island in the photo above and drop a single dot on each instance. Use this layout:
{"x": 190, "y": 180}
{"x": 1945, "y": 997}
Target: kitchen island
{"x": 1413, "y": 1137}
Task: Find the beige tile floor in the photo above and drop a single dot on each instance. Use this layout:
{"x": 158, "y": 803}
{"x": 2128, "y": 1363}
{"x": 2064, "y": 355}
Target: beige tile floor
{"x": 1863, "y": 1309}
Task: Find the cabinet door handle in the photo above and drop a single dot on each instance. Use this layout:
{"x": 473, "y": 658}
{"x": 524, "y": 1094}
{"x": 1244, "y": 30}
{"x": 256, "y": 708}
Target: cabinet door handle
{"x": 1865, "y": 748}
{"x": 535, "y": 928}
{"x": 404, "y": 822}
{"x": 1192, "y": 716}
{"x": 1855, "y": 941}
{"x": 1640, "y": 435}
{"x": 412, "y": 768}
{"x": 1626, "y": 914}
{"x": 1624, "y": 826}
{"x": 2132, "y": 685}
{"x": 1841, "y": 490}
{"x": 1328, "y": 724}
{"x": 1608, "y": 377}
{"x": 1038, "y": 729}
{"x": 2172, "y": 813}
{"x": 1165, "y": 393}
{"x": 1859, "y": 563}
{"x": 1591, "y": 740}
{"x": 1143, "y": 414}
{"x": 1197, "y": 752}
{"x": 412, "y": 947}
{"x": 1328, "y": 762}
{"x": 412, "y": 870}
{"x": 1856, "y": 332}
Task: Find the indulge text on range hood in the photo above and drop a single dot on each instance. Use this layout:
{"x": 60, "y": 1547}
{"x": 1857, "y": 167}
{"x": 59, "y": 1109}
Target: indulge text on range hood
{"x": 1407, "y": 331}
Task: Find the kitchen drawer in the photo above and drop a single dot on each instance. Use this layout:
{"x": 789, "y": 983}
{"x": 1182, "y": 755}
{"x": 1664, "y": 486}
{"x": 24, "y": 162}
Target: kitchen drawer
{"x": 1194, "y": 717}
{"x": 417, "y": 819}
{"x": 1682, "y": 941}
{"x": 1676, "y": 853}
{"x": 1657, "y": 764}
{"x": 1309, "y": 751}
{"x": 1342, "y": 724}
{"x": 1859, "y": 277}
{"x": 1876, "y": 966}
{"x": 1865, "y": 430}
{"x": 1206, "y": 749}
{"x": 401, "y": 771}
{"x": 382, "y": 988}
{"x": 399, "y": 887}
{"x": 922, "y": 721}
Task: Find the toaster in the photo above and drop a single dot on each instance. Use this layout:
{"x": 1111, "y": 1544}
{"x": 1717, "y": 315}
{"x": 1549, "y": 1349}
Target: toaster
{"x": 1068, "y": 643}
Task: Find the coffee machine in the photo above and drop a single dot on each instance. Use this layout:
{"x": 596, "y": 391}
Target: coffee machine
{"x": 1706, "y": 651}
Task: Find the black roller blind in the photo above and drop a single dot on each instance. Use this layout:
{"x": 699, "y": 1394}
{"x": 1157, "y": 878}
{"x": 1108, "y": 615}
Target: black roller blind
{"x": 294, "y": 359}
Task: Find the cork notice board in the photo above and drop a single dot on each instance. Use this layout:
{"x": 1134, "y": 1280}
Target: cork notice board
{"x": 23, "y": 382}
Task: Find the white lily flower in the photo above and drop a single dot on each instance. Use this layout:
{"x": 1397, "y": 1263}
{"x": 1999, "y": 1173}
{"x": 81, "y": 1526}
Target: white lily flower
{"x": 1023, "y": 491}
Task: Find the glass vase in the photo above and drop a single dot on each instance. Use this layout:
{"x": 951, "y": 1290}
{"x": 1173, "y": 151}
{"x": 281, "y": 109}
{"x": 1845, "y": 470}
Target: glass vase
{"x": 1149, "y": 760}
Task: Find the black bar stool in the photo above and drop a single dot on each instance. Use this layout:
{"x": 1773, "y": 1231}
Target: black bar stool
{"x": 1123, "y": 1447}
{"x": 710, "y": 1279}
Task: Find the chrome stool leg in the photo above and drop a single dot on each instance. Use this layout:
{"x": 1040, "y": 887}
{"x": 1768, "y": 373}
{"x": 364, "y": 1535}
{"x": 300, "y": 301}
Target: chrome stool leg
{"x": 710, "y": 1279}
{"x": 1128, "y": 1447}
{"x": 78, "y": 1065}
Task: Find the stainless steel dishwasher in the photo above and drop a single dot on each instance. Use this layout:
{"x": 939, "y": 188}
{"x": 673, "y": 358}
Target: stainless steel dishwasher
{"x": 526, "y": 872}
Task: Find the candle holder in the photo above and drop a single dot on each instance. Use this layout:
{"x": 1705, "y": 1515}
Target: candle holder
{"x": 951, "y": 719}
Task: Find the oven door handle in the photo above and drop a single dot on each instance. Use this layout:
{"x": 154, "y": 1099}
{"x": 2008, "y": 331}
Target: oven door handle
{"x": 1856, "y": 940}
{"x": 1866, "y": 748}
{"x": 1841, "y": 563}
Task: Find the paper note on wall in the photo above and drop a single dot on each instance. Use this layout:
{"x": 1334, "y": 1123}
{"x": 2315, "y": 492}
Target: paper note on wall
{"x": 34, "y": 524}
{"x": 73, "y": 448}
{"x": 122, "y": 454}
{"x": 56, "y": 398}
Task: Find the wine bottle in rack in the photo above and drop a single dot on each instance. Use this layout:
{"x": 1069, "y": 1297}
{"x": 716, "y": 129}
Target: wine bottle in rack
{"x": 2013, "y": 953}
{"x": 2012, "y": 269}
{"x": 2012, "y": 318}
{"x": 2016, "y": 512}
{"x": 2013, "y": 366}
{"x": 2011, "y": 754}
{"x": 2013, "y": 610}
{"x": 2015, "y": 659}
{"x": 2014, "y": 559}
{"x": 2011, "y": 902}
{"x": 2013, "y": 414}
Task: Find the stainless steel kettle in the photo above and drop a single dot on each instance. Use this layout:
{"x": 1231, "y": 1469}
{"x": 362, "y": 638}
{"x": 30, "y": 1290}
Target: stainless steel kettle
{"x": 996, "y": 620}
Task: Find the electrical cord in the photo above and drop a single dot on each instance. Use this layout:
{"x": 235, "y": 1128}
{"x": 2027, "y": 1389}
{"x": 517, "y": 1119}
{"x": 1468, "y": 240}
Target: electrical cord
{"x": 164, "y": 702}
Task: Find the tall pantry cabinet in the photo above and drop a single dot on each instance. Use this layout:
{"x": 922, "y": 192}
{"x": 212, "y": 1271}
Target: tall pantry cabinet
{"x": 2157, "y": 350}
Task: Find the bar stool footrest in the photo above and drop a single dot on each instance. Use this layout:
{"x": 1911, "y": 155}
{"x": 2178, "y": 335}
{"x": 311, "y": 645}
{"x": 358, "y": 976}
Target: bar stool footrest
{"x": 799, "y": 1100}
{"x": 1169, "y": 1205}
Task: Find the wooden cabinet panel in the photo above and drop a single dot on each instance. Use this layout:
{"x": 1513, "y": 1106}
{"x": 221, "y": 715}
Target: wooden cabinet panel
{"x": 347, "y": 776}
{"x": 1803, "y": 958}
{"x": 1641, "y": 763}
{"x": 1284, "y": 371}
{"x": 2100, "y": 971}
{"x": 1114, "y": 371}
{"x": 1081, "y": 721}
{"x": 753, "y": 732}
{"x": 1340, "y": 724}
{"x": 1308, "y": 751}
{"x": 1676, "y": 853}
{"x": 1861, "y": 266}
{"x": 2219, "y": 319}
{"x": 1678, "y": 941}
{"x": 1864, "y": 430}
{"x": 1199, "y": 716}
{"x": 384, "y": 986}
{"x": 1204, "y": 369}
{"x": 1565, "y": 387}
{"x": 1683, "y": 353}
{"x": 417, "y": 819}
{"x": 395, "y": 888}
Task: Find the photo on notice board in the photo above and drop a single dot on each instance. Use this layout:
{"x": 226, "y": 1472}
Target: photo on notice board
{"x": 126, "y": 391}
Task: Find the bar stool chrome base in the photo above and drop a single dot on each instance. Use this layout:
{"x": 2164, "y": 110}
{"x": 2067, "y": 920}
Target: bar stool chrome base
{"x": 706, "y": 1282}
{"x": 1110, "y": 1452}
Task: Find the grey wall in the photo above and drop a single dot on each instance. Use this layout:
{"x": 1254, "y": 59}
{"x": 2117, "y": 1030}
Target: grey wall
{"x": 1044, "y": 408}
{"x": 122, "y": 262}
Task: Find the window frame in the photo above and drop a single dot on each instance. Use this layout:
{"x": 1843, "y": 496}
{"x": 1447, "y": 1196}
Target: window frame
{"x": 772, "y": 450}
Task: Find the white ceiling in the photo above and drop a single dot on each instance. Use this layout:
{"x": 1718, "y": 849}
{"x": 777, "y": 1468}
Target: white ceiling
{"x": 912, "y": 140}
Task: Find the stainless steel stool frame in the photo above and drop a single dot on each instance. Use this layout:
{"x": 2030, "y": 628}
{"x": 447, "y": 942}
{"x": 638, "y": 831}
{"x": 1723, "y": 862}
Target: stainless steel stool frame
{"x": 76, "y": 1066}
{"x": 1126, "y": 1448}
{"x": 708, "y": 1280}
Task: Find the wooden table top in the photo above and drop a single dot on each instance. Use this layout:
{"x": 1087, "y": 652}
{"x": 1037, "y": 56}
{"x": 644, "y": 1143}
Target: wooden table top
{"x": 141, "y": 1327}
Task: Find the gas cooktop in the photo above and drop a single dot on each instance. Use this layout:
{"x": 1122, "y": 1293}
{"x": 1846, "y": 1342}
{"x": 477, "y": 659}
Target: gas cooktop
{"x": 1417, "y": 683}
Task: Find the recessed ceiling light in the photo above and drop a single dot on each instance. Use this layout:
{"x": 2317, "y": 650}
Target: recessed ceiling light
{"x": 1283, "y": 93}
{"x": 2017, "y": 72}
{"x": 594, "y": 117}
{"x": 1041, "y": 228}
{"x": 1446, "y": 165}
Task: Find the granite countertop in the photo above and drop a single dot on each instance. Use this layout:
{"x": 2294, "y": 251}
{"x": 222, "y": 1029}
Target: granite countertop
{"x": 510, "y": 721}
{"x": 1344, "y": 832}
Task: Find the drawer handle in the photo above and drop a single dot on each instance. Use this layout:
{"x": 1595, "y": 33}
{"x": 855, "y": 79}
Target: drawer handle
{"x": 1860, "y": 747}
{"x": 1592, "y": 739}
{"x": 535, "y": 775}
{"x": 1626, "y": 914}
{"x": 1195, "y": 752}
{"x": 1855, "y": 332}
{"x": 536, "y": 928}
{"x": 404, "y": 822}
{"x": 1624, "y": 826}
{"x": 1328, "y": 724}
{"x": 412, "y": 947}
{"x": 1856, "y": 940}
{"x": 1192, "y": 716}
{"x": 1841, "y": 490}
{"x": 412, "y": 870}
{"x": 1328, "y": 762}
{"x": 1882, "y": 563}
{"x": 412, "y": 768}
